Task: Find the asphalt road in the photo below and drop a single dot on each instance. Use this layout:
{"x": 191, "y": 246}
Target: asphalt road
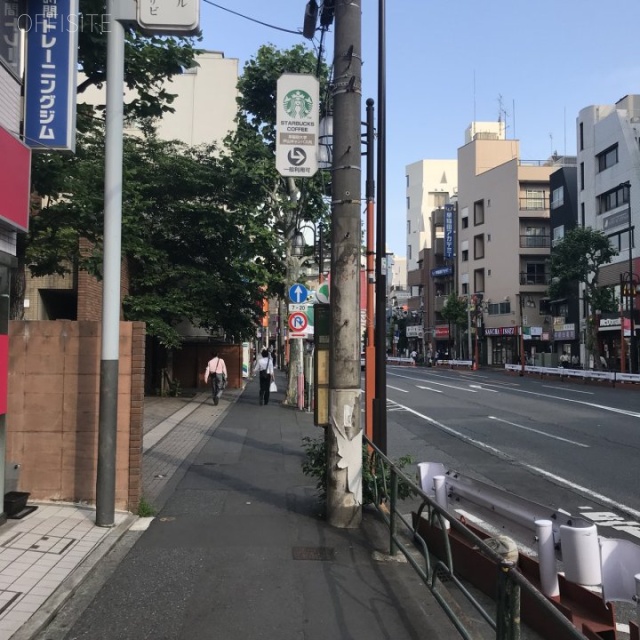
{"x": 563, "y": 444}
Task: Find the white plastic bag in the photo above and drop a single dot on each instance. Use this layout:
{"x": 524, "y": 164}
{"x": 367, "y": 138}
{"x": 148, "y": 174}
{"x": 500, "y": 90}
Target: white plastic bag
{"x": 272, "y": 387}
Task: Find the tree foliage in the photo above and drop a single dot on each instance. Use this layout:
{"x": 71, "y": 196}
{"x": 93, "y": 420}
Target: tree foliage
{"x": 454, "y": 310}
{"x": 576, "y": 262}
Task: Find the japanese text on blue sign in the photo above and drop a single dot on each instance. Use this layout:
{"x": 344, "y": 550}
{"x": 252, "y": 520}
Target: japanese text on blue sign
{"x": 448, "y": 231}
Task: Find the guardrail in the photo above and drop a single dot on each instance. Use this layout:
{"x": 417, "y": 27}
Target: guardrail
{"x": 506, "y": 620}
{"x": 410, "y": 362}
{"x": 586, "y": 374}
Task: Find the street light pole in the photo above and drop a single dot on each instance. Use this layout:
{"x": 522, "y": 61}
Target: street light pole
{"x": 380, "y": 402}
{"x": 344, "y": 435}
{"x": 370, "y": 349}
{"x": 522, "y": 357}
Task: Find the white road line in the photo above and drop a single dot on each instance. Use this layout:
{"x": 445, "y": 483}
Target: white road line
{"x": 429, "y": 389}
{"x": 598, "y": 497}
{"x": 442, "y": 384}
{"x": 548, "y": 386}
{"x": 397, "y": 389}
{"x": 542, "y": 433}
{"x": 477, "y": 386}
{"x": 588, "y": 492}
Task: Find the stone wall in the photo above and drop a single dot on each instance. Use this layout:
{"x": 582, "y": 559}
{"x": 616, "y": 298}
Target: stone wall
{"x": 52, "y": 416}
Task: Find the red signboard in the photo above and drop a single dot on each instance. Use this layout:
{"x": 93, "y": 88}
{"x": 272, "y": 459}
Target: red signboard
{"x": 15, "y": 181}
{"x": 442, "y": 331}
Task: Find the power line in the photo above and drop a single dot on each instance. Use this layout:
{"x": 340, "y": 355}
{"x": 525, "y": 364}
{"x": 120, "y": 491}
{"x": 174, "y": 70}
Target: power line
{"x": 264, "y": 24}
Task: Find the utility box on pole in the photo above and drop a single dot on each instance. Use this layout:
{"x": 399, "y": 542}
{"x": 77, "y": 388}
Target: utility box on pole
{"x": 344, "y": 434}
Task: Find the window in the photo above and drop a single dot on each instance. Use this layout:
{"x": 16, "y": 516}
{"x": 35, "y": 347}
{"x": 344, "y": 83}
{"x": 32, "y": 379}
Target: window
{"x": 534, "y": 273}
{"x": 478, "y": 247}
{"x": 408, "y": 202}
{"x": 465, "y": 223}
{"x": 499, "y": 308}
{"x": 557, "y": 197}
{"x": 408, "y": 227}
{"x": 582, "y": 214}
{"x": 535, "y": 237}
{"x": 558, "y": 234}
{"x": 439, "y": 199}
{"x": 407, "y": 180}
{"x": 534, "y": 199}
{"x": 478, "y": 280}
{"x": 620, "y": 241}
{"x": 409, "y": 252}
{"x": 465, "y": 255}
{"x": 478, "y": 212}
{"x": 581, "y": 136}
{"x": 582, "y": 176}
{"x": 607, "y": 158}
{"x": 612, "y": 199}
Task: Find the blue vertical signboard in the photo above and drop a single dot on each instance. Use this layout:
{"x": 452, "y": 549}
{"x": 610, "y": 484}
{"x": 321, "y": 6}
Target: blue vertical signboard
{"x": 50, "y": 75}
{"x": 448, "y": 231}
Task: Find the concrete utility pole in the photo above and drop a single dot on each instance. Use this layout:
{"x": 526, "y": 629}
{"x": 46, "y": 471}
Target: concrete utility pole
{"x": 344, "y": 435}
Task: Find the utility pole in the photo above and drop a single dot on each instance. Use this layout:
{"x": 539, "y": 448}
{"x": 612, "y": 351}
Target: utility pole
{"x": 344, "y": 434}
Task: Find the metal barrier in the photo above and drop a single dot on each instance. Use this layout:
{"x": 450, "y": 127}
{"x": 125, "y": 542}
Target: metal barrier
{"x": 586, "y": 374}
{"x": 510, "y": 580}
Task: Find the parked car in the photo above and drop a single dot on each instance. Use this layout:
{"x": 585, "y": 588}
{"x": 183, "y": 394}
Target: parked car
{"x": 362, "y": 360}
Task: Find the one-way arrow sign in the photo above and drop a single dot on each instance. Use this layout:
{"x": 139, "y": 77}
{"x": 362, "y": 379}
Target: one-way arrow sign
{"x": 297, "y": 156}
{"x": 298, "y": 293}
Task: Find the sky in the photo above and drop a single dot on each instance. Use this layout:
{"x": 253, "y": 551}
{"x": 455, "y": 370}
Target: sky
{"x": 533, "y": 64}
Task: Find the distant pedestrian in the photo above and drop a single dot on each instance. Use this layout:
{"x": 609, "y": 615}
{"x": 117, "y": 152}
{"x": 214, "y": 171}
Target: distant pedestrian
{"x": 216, "y": 371}
{"x": 264, "y": 369}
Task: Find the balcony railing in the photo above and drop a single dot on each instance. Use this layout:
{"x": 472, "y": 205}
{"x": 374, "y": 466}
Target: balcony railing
{"x": 534, "y": 278}
{"x": 535, "y": 242}
{"x": 534, "y": 203}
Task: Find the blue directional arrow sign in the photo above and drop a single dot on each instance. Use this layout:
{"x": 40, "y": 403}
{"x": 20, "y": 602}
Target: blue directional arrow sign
{"x": 298, "y": 293}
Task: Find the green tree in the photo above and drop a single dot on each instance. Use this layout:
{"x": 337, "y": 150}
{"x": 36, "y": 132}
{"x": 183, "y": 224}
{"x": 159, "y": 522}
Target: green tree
{"x": 575, "y": 263}
{"x": 52, "y": 244}
{"x": 455, "y": 313}
{"x": 280, "y": 204}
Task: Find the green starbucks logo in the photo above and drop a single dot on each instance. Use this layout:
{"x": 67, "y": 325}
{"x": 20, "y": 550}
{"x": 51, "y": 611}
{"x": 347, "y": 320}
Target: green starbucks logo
{"x": 297, "y": 104}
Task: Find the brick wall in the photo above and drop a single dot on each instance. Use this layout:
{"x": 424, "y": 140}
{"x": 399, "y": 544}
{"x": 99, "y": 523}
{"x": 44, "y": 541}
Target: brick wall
{"x": 52, "y": 416}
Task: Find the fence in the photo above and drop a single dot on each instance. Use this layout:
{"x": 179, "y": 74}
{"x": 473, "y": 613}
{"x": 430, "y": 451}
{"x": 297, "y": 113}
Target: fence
{"x": 585, "y": 374}
{"x": 511, "y": 582}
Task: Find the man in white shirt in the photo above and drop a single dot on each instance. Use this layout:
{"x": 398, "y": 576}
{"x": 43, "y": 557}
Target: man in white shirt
{"x": 217, "y": 371}
{"x": 264, "y": 369}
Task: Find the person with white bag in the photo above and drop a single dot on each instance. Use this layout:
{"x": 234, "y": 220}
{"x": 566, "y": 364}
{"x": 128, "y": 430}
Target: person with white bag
{"x": 264, "y": 369}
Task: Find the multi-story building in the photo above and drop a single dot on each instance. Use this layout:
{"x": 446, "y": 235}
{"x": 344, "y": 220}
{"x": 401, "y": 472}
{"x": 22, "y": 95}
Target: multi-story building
{"x": 431, "y": 184}
{"x": 503, "y": 247}
{"x": 608, "y": 138}
{"x": 565, "y": 312}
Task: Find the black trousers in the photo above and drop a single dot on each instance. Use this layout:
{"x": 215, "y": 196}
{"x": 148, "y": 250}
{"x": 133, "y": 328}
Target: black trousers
{"x": 265, "y": 383}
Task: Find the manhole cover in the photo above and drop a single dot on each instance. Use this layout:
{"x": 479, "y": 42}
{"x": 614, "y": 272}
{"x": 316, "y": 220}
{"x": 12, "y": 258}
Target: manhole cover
{"x": 314, "y": 553}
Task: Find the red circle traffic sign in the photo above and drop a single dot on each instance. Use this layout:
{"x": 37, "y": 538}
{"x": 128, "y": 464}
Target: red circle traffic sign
{"x": 298, "y": 321}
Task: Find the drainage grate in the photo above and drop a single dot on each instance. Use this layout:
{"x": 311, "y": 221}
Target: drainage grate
{"x": 314, "y": 553}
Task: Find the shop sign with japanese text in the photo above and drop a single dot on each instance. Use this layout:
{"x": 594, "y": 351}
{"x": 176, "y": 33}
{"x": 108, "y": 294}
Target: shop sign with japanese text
{"x": 50, "y": 76}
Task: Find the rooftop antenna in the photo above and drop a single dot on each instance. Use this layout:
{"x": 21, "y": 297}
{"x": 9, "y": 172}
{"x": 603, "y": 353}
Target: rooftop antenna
{"x": 502, "y": 113}
{"x": 513, "y": 119}
{"x": 474, "y": 95}
{"x": 550, "y": 143}
{"x": 565, "y": 131}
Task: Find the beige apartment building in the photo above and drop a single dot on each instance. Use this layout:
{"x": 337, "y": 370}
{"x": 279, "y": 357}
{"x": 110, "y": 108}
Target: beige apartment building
{"x": 503, "y": 245}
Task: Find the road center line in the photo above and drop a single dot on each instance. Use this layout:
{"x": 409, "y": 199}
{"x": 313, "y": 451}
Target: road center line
{"x": 548, "y": 386}
{"x": 542, "y": 433}
{"x": 397, "y": 389}
{"x": 429, "y": 389}
{"x": 441, "y": 384}
{"x": 560, "y": 480}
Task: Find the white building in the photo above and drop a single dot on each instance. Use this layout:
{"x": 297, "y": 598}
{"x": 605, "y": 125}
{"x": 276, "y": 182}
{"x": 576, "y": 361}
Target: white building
{"x": 608, "y": 138}
{"x": 430, "y": 185}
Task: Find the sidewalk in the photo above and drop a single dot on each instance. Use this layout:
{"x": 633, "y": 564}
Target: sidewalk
{"x": 238, "y": 549}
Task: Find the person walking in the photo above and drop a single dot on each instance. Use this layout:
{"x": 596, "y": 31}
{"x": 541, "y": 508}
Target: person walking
{"x": 217, "y": 371}
{"x": 264, "y": 369}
